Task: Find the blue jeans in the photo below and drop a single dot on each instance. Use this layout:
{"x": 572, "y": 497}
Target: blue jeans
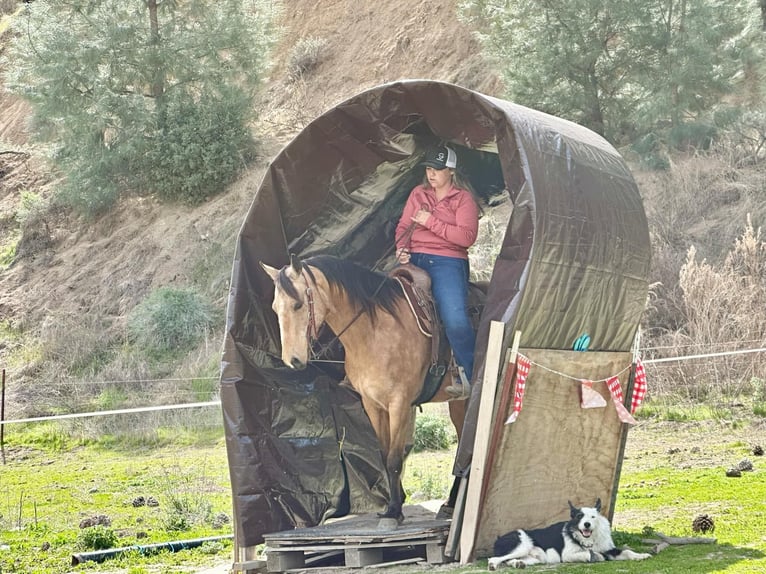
{"x": 449, "y": 284}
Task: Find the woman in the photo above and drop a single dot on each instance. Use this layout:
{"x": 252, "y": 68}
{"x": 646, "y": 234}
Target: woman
{"x": 439, "y": 223}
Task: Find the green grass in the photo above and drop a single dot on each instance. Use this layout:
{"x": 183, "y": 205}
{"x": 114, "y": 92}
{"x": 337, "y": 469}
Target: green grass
{"x": 683, "y": 413}
{"x": 48, "y": 486}
{"x": 672, "y": 472}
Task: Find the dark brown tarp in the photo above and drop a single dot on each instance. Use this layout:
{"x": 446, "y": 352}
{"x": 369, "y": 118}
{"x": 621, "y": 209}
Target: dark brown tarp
{"x": 574, "y": 259}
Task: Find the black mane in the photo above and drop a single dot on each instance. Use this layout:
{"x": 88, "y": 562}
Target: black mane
{"x": 366, "y": 289}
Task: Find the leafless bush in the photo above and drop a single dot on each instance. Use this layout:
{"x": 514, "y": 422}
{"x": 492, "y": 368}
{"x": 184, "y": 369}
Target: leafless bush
{"x": 32, "y": 216}
{"x": 299, "y": 103}
{"x": 147, "y": 427}
{"x": 664, "y": 310}
{"x": 71, "y": 346}
{"x": 681, "y": 195}
{"x": 305, "y": 56}
{"x": 746, "y": 140}
{"x": 722, "y": 310}
{"x": 492, "y": 228}
{"x": 7, "y": 6}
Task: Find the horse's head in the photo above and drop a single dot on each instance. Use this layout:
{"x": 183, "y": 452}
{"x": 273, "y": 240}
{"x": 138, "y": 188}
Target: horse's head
{"x": 299, "y": 310}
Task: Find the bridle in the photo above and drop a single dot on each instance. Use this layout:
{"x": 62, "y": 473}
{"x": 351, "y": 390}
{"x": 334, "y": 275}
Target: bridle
{"x": 312, "y": 329}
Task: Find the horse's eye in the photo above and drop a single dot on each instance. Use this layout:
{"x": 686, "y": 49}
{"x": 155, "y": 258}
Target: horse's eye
{"x": 297, "y": 306}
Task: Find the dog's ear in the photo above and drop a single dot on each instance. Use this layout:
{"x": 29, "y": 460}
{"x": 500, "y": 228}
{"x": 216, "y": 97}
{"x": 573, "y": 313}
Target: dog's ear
{"x": 598, "y": 505}
{"x": 572, "y": 510}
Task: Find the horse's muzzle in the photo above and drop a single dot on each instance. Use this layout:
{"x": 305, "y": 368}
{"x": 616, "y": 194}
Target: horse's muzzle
{"x": 296, "y": 363}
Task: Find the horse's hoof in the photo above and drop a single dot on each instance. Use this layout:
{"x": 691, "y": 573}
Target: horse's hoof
{"x": 385, "y": 524}
{"x": 444, "y": 513}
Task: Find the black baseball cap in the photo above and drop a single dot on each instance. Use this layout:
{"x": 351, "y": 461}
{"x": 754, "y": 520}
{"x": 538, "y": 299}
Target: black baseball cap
{"x": 440, "y": 157}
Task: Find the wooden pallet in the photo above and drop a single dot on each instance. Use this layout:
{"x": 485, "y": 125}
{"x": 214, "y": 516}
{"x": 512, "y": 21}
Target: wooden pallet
{"x": 354, "y": 542}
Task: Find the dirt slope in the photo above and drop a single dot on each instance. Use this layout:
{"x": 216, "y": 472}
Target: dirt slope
{"x": 107, "y": 266}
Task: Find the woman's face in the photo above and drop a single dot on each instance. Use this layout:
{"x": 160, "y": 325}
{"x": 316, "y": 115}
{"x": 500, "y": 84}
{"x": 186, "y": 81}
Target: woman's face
{"x": 438, "y": 178}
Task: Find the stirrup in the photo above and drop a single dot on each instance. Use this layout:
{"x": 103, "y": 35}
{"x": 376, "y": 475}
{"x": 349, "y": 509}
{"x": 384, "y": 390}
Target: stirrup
{"x": 458, "y": 391}
{"x": 463, "y": 378}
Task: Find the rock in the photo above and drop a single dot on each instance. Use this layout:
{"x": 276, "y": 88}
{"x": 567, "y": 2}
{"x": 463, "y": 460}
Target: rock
{"x": 98, "y": 520}
{"x": 745, "y": 465}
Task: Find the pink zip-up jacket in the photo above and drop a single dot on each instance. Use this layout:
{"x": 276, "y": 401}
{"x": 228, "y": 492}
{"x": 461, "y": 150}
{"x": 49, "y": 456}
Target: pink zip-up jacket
{"x": 450, "y": 229}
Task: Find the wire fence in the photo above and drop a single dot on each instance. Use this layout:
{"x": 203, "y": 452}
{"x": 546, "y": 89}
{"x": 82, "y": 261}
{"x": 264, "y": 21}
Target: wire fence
{"x": 671, "y": 371}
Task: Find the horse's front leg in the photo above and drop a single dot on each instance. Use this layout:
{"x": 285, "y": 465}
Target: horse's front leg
{"x": 380, "y": 424}
{"x": 401, "y": 420}
{"x": 457, "y": 415}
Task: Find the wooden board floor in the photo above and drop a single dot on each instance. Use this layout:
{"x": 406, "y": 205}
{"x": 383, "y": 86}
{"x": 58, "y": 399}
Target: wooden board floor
{"x": 357, "y": 541}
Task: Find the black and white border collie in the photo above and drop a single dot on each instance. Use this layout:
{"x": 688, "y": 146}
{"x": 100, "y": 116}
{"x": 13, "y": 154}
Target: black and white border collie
{"x": 586, "y": 537}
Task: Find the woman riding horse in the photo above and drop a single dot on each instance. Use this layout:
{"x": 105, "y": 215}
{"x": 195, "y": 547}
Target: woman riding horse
{"x": 386, "y": 354}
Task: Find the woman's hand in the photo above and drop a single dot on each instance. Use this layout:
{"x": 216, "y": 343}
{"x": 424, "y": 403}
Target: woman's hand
{"x": 402, "y": 256}
{"x": 421, "y": 216}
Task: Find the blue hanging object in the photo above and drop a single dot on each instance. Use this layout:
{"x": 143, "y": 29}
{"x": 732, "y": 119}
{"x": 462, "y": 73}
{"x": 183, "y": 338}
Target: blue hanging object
{"x": 582, "y": 342}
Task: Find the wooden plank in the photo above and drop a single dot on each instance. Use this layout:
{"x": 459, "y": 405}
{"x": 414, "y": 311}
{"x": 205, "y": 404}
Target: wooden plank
{"x": 293, "y": 557}
{"x": 500, "y": 413}
{"x": 483, "y": 428}
{"x": 418, "y": 522}
{"x": 363, "y": 556}
{"x": 628, "y": 396}
{"x": 555, "y": 451}
{"x": 453, "y": 540}
{"x": 435, "y": 553}
{"x": 243, "y": 555}
{"x": 396, "y": 563}
{"x": 281, "y": 561}
{"x": 248, "y": 566}
{"x": 321, "y": 547}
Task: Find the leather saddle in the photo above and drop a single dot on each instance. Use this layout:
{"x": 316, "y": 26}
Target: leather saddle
{"x": 416, "y": 285}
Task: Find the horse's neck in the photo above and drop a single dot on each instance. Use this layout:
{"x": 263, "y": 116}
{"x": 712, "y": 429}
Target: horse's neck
{"x": 348, "y": 323}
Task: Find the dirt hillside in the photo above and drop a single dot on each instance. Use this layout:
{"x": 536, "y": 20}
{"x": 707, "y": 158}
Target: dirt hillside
{"x": 107, "y": 266}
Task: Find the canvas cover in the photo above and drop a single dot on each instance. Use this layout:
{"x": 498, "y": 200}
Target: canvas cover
{"x": 574, "y": 260}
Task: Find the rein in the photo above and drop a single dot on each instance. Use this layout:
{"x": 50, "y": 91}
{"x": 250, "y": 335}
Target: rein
{"x": 312, "y": 331}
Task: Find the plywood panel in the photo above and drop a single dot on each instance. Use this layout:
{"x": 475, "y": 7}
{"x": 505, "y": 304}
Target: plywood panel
{"x": 555, "y": 451}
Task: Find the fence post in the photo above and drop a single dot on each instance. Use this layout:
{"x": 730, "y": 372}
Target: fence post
{"x": 2, "y": 418}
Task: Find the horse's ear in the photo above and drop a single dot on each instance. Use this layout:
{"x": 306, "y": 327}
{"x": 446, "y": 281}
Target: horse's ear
{"x": 295, "y": 263}
{"x": 271, "y": 271}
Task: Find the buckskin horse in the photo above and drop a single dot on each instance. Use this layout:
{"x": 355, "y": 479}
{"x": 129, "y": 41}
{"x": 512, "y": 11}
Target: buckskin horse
{"x": 387, "y": 357}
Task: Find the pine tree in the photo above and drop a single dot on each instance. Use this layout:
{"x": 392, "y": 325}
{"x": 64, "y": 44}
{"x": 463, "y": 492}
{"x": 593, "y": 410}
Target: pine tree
{"x": 616, "y": 65}
{"x": 141, "y": 95}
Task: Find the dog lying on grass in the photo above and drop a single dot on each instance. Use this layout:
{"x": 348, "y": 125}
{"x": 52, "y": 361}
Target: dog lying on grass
{"x": 585, "y": 537}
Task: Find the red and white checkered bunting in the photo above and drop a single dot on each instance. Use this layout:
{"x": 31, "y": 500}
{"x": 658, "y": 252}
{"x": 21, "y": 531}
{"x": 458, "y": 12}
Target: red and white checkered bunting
{"x": 613, "y": 383}
{"x": 590, "y": 398}
{"x": 639, "y": 387}
{"x": 522, "y": 371}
